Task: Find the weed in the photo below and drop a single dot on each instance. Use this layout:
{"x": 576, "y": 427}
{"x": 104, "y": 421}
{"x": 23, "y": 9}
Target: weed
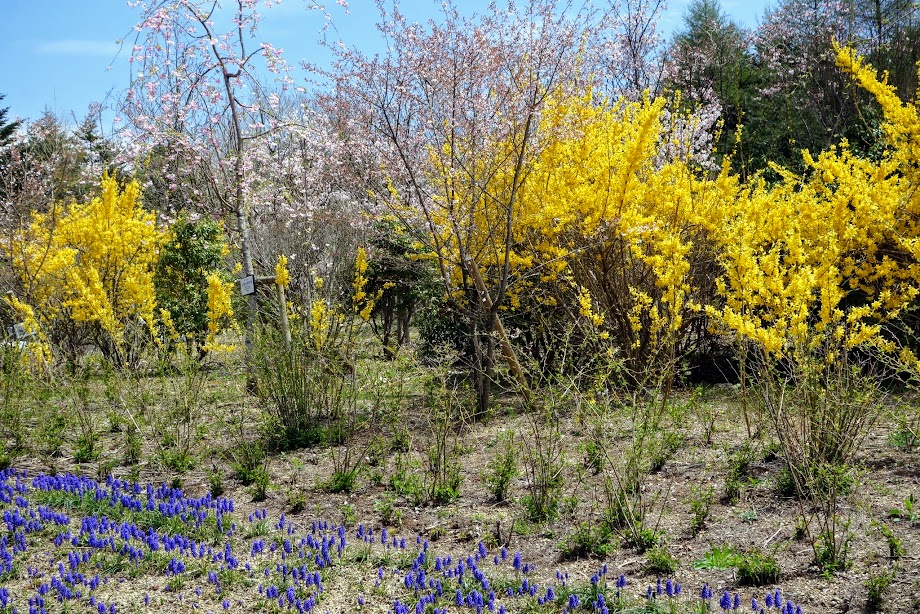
{"x": 14, "y": 383}
{"x": 906, "y": 436}
{"x": 390, "y": 515}
{"x": 349, "y": 515}
{"x": 700, "y": 503}
{"x": 785, "y": 483}
{"x": 718, "y": 557}
{"x": 754, "y": 568}
{"x": 215, "y": 481}
{"x": 85, "y": 449}
{"x": 904, "y": 439}
{"x": 749, "y": 516}
{"x": 131, "y": 446}
{"x": 832, "y": 549}
{"x": 502, "y": 468}
{"x": 248, "y": 457}
{"x": 660, "y": 561}
{"x": 908, "y": 512}
{"x": 260, "y": 484}
{"x": 588, "y": 540}
{"x": 341, "y": 481}
{"x": 895, "y": 545}
{"x": 876, "y": 585}
{"x": 739, "y": 464}
{"x": 407, "y": 482}
{"x": 52, "y": 426}
{"x": 295, "y": 500}
{"x": 668, "y": 443}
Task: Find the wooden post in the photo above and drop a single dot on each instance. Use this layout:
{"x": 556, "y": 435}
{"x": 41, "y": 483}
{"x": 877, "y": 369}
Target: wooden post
{"x": 282, "y": 308}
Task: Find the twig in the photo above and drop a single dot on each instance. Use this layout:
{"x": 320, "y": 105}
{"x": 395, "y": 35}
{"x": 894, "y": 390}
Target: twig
{"x": 769, "y": 539}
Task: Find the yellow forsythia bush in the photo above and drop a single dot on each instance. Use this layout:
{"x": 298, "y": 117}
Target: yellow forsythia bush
{"x": 621, "y": 225}
{"x": 817, "y": 264}
{"x": 86, "y": 270}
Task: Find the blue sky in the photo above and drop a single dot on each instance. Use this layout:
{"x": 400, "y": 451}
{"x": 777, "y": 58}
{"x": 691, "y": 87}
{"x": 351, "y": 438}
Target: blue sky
{"x": 61, "y": 55}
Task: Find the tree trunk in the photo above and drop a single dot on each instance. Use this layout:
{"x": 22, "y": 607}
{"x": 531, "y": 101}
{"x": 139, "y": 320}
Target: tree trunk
{"x": 496, "y": 323}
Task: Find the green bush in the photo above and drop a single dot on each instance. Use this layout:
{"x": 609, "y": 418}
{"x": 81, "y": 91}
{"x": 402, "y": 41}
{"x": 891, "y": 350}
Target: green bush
{"x": 588, "y": 540}
{"x": 700, "y": 503}
{"x": 754, "y": 568}
{"x": 502, "y": 468}
{"x": 660, "y": 561}
{"x": 194, "y": 250}
{"x": 876, "y": 586}
{"x": 303, "y": 388}
{"x": 718, "y": 557}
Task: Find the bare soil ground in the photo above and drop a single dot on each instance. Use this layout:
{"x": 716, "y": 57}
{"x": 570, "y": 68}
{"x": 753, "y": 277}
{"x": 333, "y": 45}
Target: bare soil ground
{"x": 760, "y": 518}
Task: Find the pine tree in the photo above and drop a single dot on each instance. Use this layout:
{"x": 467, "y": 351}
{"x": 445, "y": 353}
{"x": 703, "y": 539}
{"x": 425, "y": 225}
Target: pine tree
{"x": 7, "y": 129}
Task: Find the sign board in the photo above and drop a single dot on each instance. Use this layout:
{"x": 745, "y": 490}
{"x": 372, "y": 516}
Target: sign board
{"x": 20, "y": 330}
{"x": 248, "y": 285}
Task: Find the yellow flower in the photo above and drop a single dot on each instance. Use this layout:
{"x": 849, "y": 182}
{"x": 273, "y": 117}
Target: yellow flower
{"x": 220, "y": 310}
{"x": 282, "y": 276}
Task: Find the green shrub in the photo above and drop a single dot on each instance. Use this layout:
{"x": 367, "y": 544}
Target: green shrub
{"x": 754, "y": 568}
{"x": 718, "y": 557}
{"x": 390, "y": 515}
{"x": 215, "y": 481}
{"x": 302, "y": 388}
{"x": 260, "y": 484}
{"x": 341, "y": 481}
{"x": 407, "y": 482}
{"x": 876, "y": 586}
{"x": 248, "y": 457}
{"x": 660, "y": 561}
{"x": 895, "y": 545}
{"x": 832, "y": 549}
{"x": 194, "y": 250}
{"x": 739, "y": 465}
{"x": 699, "y": 508}
{"x": 588, "y": 540}
{"x": 502, "y": 468}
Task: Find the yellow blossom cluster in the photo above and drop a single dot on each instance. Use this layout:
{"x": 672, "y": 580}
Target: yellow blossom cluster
{"x": 282, "y": 275}
{"x": 220, "y": 312}
{"x": 603, "y": 206}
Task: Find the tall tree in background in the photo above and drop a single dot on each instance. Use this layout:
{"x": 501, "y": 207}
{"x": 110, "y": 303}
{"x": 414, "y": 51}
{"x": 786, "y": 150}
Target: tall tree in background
{"x": 196, "y": 101}
{"x": 888, "y": 34}
{"x": 43, "y": 164}
{"x": 805, "y": 101}
{"x": 710, "y": 65}
{"x": 7, "y": 128}
{"x": 631, "y": 62}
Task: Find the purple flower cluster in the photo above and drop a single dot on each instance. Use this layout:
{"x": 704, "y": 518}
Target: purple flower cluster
{"x": 773, "y": 602}
{"x": 115, "y": 528}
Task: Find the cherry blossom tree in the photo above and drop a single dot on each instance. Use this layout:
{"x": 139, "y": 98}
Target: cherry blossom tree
{"x": 198, "y": 103}
{"x": 804, "y": 101}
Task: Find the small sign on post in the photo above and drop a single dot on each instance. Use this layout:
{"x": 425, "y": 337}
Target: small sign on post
{"x": 248, "y": 285}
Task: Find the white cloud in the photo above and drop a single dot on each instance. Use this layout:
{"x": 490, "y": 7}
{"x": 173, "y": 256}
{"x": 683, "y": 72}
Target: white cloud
{"x": 74, "y": 47}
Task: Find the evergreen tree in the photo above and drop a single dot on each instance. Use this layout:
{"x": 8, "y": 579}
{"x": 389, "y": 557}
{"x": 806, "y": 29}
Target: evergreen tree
{"x": 7, "y": 128}
{"x": 711, "y": 63}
